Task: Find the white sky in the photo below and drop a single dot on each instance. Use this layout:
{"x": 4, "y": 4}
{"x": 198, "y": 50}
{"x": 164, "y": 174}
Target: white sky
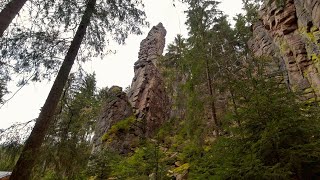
{"x": 115, "y": 69}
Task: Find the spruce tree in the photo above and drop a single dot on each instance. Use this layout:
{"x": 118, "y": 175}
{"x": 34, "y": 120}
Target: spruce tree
{"x": 201, "y": 16}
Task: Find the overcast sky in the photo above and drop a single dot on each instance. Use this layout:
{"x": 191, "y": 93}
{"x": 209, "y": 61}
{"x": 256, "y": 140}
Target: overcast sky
{"x": 114, "y": 69}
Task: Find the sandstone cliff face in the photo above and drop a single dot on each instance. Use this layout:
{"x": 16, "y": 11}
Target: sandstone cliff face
{"x": 125, "y": 119}
{"x": 147, "y": 94}
{"x": 291, "y": 33}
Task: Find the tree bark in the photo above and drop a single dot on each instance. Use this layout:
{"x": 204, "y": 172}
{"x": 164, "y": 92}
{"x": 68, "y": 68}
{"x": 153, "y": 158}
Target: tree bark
{"x": 9, "y": 12}
{"x": 23, "y": 168}
{"x": 212, "y": 103}
{"x": 235, "y": 107}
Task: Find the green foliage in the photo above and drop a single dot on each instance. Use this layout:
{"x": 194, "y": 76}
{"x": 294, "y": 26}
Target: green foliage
{"x": 9, "y": 154}
{"x": 269, "y": 134}
{"x": 266, "y": 132}
{"x": 182, "y": 168}
{"x": 66, "y": 150}
{"x": 251, "y": 8}
{"x": 121, "y": 126}
{"x": 103, "y": 164}
{"x": 140, "y": 164}
{"x": 242, "y": 32}
{"x": 279, "y": 3}
{"x": 38, "y": 40}
{"x": 276, "y": 139}
{"x": 135, "y": 166}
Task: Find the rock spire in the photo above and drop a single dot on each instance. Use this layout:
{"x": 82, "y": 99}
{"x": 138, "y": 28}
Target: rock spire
{"x": 147, "y": 94}
{"x": 126, "y": 118}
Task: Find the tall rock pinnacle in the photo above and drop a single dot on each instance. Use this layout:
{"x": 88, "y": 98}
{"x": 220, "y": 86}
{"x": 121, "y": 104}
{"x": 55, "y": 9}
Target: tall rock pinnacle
{"x": 125, "y": 119}
{"x": 147, "y": 94}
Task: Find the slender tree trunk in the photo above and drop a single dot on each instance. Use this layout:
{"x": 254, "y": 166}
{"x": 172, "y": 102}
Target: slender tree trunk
{"x": 212, "y": 104}
{"x": 9, "y": 12}
{"x": 27, "y": 159}
{"x": 235, "y": 107}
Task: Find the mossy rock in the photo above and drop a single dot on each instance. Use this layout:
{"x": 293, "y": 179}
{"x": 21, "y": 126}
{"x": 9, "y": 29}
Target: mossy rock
{"x": 121, "y": 126}
{"x": 182, "y": 168}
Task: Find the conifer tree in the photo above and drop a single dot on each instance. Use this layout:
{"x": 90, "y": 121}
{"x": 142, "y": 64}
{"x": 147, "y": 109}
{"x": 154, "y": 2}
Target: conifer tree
{"x": 66, "y": 149}
{"x": 27, "y": 159}
{"x": 276, "y": 139}
{"x": 201, "y": 17}
{"x": 31, "y": 148}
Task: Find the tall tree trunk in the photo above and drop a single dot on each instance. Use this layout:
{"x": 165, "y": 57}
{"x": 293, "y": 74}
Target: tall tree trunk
{"x": 27, "y": 159}
{"x": 212, "y": 103}
{"x": 9, "y": 12}
{"x": 235, "y": 107}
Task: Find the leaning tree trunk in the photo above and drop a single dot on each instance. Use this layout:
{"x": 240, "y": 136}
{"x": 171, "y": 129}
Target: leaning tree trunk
{"x": 27, "y": 159}
{"x": 9, "y": 12}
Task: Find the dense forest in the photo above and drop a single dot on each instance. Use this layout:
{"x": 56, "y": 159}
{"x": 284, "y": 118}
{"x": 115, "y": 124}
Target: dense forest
{"x": 234, "y": 108}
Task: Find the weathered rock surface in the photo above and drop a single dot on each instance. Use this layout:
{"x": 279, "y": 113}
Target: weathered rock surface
{"x": 116, "y": 108}
{"x": 147, "y": 94}
{"x": 126, "y": 119}
{"x": 291, "y": 33}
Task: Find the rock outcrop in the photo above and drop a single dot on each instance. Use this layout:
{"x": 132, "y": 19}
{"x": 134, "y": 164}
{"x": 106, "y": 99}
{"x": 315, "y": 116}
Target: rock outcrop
{"x": 127, "y": 119}
{"x": 147, "y": 94}
{"x": 291, "y": 33}
{"x": 116, "y": 109}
